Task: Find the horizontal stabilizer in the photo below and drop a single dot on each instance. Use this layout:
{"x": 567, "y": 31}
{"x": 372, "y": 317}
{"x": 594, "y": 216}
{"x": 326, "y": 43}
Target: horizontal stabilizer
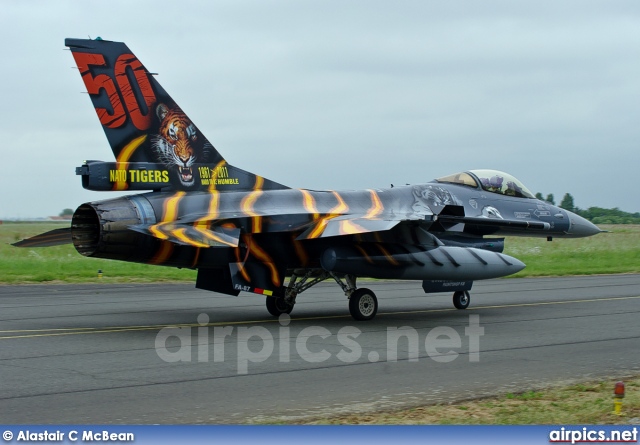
{"x": 56, "y": 237}
{"x": 196, "y": 236}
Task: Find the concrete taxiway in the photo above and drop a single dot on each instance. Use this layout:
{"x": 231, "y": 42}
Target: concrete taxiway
{"x": 99, "y": 353}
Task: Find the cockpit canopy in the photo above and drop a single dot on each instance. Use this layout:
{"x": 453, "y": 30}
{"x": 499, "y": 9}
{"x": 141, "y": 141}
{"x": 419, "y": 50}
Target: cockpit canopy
{"x": 491, "y": 181}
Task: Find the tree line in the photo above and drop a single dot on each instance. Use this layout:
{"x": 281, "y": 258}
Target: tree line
{"x": 596, "y": 215}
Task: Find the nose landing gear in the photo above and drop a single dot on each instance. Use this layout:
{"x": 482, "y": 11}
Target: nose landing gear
{"x": 461, "y": 299}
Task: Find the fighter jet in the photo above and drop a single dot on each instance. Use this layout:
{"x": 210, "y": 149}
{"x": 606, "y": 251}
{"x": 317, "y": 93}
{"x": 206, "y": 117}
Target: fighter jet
{"x": 245, "y": 233}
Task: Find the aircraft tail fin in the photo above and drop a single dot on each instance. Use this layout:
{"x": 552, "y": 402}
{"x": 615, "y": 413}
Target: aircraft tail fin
{"x": 147, "y": 130}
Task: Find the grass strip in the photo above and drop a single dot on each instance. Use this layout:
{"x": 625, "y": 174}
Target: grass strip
{"x": 582, "y": 403}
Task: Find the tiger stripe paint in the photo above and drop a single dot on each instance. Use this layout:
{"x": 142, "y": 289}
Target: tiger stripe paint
{"x": 338, "y": 210}
{"x": 256, "y": 222}
{"x": 165, "y": 251}
{"x": 213, "y": 237}
{"x": 264, "y": 257}
{"x": 309, "y": 204}
{"x": 376, "y": 206}
{"x": 248, "y": 202}
{"x": 182, "y": 236}
{"x": 169, "y": 214}
{"x": 196, "y": 257}
{"x": 350, "y": 228}
{"x": 246, "y": 241}
{"x": 155, "y": 230}
{"x": 123, "y": 159}
{"x": 341, "y": 207}
{"x": 389, "y": 257}
{"x": 229, "y": 226}
{"x": 203, "y": 224}
{"x": 212, "y": 184}
{"x": 212, "y": 211}
{"x": 319, "y": 228}
{"x": 364, "y": 253}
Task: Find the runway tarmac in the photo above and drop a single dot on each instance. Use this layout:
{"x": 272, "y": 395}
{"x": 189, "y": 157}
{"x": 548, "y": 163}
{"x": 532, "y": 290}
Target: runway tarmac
{"x": 99, "y": 353}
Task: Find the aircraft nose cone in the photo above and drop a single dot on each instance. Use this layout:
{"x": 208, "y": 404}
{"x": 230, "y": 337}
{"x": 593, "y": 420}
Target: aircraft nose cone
{"x": 581, "y": 227}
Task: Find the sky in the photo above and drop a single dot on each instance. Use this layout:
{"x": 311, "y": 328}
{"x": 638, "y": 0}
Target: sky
{"x": 341, "y": 94}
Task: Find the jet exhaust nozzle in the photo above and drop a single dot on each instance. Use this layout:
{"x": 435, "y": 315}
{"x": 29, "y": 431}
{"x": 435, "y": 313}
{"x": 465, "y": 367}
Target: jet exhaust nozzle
{"x": 101, "y": 229}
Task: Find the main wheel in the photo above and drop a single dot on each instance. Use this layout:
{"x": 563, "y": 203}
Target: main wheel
{"x": 277, "y": 306}
{"x": 461, "y": 299}
{"x": 363, "y": 304}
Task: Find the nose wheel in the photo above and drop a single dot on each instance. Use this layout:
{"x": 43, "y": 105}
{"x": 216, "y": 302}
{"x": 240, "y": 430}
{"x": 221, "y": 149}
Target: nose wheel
{"x": 461, "y": 299}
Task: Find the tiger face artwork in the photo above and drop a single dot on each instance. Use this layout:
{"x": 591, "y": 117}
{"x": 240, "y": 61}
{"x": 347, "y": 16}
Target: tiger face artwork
{"x": 177, "y": 144}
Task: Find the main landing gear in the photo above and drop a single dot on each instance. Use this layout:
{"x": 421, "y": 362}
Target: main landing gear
{"x": 278, "y": 306}
{"x": 363, "y": 304}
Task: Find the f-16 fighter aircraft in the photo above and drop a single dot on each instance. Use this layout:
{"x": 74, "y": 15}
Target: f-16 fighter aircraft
{"x": 246, "y": 233}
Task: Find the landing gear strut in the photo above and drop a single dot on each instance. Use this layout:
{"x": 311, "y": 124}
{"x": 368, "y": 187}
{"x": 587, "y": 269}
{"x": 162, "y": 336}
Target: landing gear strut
{"x": 297, "y": 284}
{"x": 363, "y": 303}
{"x": 461, "y": 299}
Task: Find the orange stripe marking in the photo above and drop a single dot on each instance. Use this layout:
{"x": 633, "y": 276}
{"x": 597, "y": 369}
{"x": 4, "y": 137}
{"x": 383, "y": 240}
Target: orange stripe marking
{"x": 122, "y": 161}
{"x": 247, "y": 203}
{"x": 364, "y": 253}
{"x": 170, "y": 214}
{"x": 338, "y": 210}
{"x": 212, "y": 180}
{"x": 376, "y": 206}
{"x": 182, "y": 236}
{"x": 350, "y": 228}
{"x": 390, "y": 258}
{"x": 265, "y": 259}
{"x": 309, "y": 203}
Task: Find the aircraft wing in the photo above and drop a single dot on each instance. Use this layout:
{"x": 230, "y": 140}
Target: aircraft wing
{"x": 218, "y": 236}
{"x": 200, "y": 231}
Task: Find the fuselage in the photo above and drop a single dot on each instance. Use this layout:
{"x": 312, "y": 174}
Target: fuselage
{"x": 284, "y": 226}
